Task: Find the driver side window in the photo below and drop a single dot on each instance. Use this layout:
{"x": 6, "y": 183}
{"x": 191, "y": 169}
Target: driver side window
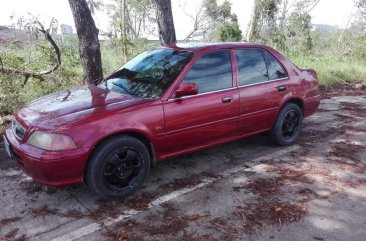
{"x": 211, "y": 72}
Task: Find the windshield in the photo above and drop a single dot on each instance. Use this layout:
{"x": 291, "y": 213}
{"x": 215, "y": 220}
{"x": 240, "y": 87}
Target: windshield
{"x": 149, "y": 74}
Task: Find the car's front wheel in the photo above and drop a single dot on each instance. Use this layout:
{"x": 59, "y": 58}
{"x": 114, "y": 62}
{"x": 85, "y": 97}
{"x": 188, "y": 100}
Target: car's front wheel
{"x": 287, "y": 127}
{"x": 118, "y": 167}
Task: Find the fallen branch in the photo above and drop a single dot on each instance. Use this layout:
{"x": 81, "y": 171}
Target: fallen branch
{"x": 280, "y": 224}
{"x": 27, "y": 75}
{"x": 48, "y": 37}
{"x": 37, "y": 75}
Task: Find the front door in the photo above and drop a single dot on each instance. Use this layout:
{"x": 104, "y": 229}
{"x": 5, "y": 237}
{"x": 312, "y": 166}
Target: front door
{"x": 209, "y": 117}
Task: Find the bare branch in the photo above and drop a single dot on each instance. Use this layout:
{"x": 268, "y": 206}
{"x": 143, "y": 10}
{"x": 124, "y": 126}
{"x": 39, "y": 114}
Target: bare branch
{"x": 55, "y": 47}
{"x": 312, "y": 7}
{"x": 199, "y": 19}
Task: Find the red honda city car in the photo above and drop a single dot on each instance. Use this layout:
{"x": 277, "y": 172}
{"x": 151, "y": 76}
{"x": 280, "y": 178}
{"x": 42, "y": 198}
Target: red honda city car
{"x": 163, "y": 103}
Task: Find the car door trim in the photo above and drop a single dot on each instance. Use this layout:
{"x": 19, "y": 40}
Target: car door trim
{"x": 263, "y": 82}
{"x": 258, "y": 112}
{"x": 202, "y": 125}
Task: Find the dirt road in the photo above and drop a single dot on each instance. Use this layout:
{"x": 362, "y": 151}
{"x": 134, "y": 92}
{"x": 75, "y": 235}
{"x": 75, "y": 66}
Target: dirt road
{"x": 246, "y": 190}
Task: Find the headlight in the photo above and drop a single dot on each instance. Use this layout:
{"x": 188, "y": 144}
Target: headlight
{"x": 51, "y": 142}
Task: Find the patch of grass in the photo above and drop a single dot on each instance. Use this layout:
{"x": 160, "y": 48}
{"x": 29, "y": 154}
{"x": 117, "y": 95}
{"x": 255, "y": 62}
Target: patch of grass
{"x": 333, "y": 69}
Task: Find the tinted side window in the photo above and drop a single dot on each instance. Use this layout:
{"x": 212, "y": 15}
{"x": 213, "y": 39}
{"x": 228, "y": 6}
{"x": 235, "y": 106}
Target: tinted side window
{"x": 251, "y": 66}
{"x": 275, "y": 69}
{"x": 211, "y": 72}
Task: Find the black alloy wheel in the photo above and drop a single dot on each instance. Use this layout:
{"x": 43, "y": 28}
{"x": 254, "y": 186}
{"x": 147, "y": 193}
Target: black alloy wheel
{"x": 122, "y": 168}
{"x": 118, "y": 167}
{"x": 290, "y": 125}
{"x": 287, "y": 127}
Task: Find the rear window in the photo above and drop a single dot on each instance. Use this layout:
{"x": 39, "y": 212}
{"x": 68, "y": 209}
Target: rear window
{"x": 275, "y": 69}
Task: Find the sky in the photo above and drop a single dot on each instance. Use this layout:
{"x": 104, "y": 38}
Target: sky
{"x": 332, "y": 12}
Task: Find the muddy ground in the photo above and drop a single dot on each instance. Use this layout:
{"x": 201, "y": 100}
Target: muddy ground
{"x": 245, "y": 190}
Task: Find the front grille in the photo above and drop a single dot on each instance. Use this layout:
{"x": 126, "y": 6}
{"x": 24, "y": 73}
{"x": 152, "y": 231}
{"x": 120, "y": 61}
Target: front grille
{"x": 18, "y": 130}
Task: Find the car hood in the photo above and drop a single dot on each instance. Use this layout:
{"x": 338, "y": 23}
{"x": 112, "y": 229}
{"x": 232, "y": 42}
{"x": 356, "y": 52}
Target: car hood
{"x": 57, "y": 109}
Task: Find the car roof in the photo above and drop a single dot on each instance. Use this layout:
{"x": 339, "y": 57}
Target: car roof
{"x": 197, "y": 46}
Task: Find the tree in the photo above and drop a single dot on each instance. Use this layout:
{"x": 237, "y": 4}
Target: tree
{"x": 223, "y": 23}
{"x": 359, "y": 23}
{"x": 300, "y": 28}
{"x": 201, "y": 22}
{"x": 165, "y": 21}
{"x": 361, "y": 5}
{"x": 138, "y": 14}
{"x": 230, "y": 31}
{"x": 128, "y": 21}
{"x": 213, "y": 21}
{"x": 253, "y": 32}
{"x": 263, "y": 21}
{"x": 274, "y": 21}
{"x": 89, "y": 46}
{"x": 94, "y": 5}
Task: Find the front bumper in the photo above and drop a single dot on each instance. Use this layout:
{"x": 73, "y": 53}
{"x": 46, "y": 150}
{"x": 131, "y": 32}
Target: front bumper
{"x": 54, "y": 168}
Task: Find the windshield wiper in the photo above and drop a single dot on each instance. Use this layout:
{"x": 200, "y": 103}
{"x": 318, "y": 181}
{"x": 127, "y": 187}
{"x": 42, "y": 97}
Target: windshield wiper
{"x": 122, "y": 87}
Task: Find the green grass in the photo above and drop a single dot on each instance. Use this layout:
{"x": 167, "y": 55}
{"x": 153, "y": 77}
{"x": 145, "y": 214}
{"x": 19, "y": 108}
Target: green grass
{"x": 332, "y": 69}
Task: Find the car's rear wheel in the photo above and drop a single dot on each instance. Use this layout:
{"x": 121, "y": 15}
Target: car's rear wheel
{"x": 287, "y": 127}
{"x": 118, "y": 167}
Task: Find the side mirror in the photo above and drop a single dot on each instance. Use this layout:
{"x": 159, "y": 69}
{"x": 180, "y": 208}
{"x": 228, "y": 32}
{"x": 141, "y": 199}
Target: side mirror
{"x": 186, "y": 89}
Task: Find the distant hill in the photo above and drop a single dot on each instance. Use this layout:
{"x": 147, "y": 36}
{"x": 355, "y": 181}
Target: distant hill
{"x": 324, "y": 28}
{"x": 12, "y": 35}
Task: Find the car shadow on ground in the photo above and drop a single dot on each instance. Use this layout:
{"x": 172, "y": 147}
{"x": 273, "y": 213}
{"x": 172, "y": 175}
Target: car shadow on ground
{"x": 78, "y": 201}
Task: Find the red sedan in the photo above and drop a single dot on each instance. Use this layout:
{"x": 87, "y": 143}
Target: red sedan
{"x": 163, "y": 103}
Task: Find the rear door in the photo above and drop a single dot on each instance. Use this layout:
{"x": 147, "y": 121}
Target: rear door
{"x": 209, "y": 117}
{"x": 255, "y": 107}
{"x": 277, "y": 86}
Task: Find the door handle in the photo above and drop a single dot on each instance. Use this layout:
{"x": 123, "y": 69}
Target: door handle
{"x": 281, "y": 88}
{"x": 227, "y": 99}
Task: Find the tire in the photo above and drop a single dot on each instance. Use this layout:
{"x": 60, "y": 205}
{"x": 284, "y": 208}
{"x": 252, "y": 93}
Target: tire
{"x": 118, "y": 167}
{"x": 283, "y": 132}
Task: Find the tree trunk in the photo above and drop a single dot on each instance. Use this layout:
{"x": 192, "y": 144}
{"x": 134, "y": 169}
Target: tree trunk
{"x": 89, "y": 46}
{"x": 165, "y": 22}
{"x": 124, "y": 36}
{"x": 252, "y": 33}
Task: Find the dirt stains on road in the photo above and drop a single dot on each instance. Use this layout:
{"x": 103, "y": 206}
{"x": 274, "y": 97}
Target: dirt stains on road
{"x": 354, "y": 109}
{"x": 229, "y": 232}
{"x": 346, "y": 157}
{"x": 12, "y": 235}
{"x": 167, "y": 222}
{"x": 6, "y": 221}
{"x": 356, "y": 184}
{"x": 270, "y": 206}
